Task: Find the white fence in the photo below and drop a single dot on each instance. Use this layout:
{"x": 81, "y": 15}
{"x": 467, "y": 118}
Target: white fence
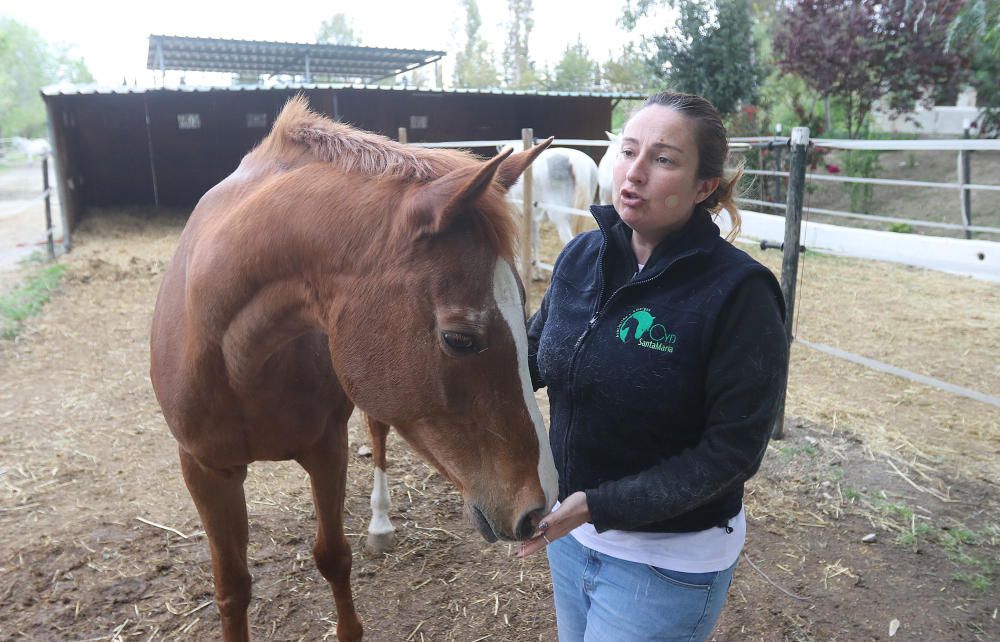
{"x": 980, "y": 259}
{"x": 970, "y": 257}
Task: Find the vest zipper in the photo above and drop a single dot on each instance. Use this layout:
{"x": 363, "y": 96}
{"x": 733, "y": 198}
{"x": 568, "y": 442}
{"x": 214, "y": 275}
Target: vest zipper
{"x": 598, "y": 310}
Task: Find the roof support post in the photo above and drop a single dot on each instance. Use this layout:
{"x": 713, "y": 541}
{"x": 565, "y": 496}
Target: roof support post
{"x": 308, "y": 74}
{"x": 159, "y": 59}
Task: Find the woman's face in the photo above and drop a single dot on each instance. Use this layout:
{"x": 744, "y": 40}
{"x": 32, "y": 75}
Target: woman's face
{"x": 655, "y": 184}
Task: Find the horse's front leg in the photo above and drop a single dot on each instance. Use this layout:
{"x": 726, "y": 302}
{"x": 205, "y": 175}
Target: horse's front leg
{"x": 218, "y": 495}
{"x": 326, "y": 463}
{"x": 381, "y": 534}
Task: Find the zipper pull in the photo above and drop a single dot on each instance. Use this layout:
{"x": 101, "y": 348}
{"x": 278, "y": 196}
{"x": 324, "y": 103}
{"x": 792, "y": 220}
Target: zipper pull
{"x": 593, "y": 320}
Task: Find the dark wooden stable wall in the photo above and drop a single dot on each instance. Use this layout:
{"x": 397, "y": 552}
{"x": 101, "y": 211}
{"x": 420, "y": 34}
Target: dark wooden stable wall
{"x": 105, "y": 150}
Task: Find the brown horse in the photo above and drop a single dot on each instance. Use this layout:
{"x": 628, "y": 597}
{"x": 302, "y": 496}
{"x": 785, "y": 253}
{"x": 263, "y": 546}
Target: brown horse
{"x": 336, "y": 268}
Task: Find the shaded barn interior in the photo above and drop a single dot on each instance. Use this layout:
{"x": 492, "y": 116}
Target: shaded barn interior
{"x": 167, "y": 147}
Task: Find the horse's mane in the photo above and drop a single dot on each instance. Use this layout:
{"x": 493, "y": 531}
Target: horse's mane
{"x": 357, "y": 151}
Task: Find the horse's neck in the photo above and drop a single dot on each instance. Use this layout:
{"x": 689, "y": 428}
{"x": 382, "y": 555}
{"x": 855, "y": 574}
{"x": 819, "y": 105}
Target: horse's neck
{"x": 278, "y": 272}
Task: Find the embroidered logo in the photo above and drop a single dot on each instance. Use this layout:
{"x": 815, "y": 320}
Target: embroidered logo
{"x": 641, "y": 327}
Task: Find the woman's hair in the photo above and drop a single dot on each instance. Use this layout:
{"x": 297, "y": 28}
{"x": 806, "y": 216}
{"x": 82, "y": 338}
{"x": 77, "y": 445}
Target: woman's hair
{"x": 713, "y": 149}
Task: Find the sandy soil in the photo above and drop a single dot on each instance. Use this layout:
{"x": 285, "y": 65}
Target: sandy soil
{"x": 84, "y": 454}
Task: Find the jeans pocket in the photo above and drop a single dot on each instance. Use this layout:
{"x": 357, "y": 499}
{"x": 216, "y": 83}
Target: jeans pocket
{"x": 694, "y": 581}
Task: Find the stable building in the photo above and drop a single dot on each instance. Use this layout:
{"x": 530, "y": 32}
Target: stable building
{"x": 166, "y": 147}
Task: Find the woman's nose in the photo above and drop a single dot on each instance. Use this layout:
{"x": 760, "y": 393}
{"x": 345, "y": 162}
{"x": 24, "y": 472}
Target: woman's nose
{"x": 634, "y": 173}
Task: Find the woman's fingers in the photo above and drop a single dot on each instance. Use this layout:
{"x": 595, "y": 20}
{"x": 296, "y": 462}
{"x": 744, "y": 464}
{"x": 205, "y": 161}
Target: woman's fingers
{"x": 533, "y": 545}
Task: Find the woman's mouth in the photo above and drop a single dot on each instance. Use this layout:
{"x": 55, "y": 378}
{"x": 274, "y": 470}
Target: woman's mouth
{"x": 630, "y": 198}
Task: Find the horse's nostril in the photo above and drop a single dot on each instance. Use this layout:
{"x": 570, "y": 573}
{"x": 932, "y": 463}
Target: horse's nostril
{"x": 526, "y": 524}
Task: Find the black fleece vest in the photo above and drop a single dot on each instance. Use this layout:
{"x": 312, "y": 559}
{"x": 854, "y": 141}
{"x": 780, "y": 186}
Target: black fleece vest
{"x": 625, "y": 370}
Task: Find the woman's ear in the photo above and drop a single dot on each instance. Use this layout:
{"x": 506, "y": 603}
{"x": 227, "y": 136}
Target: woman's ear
{"x": 705, "y": 188}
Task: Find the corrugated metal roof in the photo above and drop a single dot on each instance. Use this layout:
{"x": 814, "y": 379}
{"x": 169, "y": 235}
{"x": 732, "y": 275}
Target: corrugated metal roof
{"x": 343, "y": 62}
{"x": 68, "y": 89}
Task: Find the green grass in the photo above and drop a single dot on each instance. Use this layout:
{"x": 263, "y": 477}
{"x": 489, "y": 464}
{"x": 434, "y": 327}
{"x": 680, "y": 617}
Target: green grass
{"x": 788, "y": 453}
{"x": 960, "y": 545}
{"x": 28, "y": 299}
{"x": 976, "y": 581}
{"x": 918, "y": 533}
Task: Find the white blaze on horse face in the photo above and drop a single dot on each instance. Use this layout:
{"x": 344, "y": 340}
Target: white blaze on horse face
{"x": 508, "y": 299}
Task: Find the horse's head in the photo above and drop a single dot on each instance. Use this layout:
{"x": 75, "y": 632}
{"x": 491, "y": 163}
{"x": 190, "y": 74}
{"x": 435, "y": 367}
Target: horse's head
{"x": 437, "y": 346}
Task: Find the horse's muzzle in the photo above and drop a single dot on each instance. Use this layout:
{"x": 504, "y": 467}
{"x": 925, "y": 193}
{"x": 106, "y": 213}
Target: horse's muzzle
{"x": 484, "y": 524}
{"x": 524, "y": 529}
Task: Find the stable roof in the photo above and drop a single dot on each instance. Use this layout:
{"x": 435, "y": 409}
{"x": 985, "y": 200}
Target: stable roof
{"x": 69, "y": 89}
{"x": 223, "y": 55}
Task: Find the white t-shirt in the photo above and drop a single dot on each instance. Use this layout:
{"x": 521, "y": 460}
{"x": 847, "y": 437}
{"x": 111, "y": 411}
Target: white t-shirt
{"x": 704, "y": 551}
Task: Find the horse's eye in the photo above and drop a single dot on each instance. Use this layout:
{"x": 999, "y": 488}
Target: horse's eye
{"x": 458, "y": 341}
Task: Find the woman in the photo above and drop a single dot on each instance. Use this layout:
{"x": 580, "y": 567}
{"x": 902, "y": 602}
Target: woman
{"x": 663, "y": 349}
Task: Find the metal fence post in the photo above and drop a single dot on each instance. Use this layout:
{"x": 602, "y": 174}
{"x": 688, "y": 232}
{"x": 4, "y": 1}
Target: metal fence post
{"x": 777, "y": 166}
{"x": 527, "y": 140}
{"x": 790, "y": 252}
{"x": 48, "y": 208}
{"x": 964, "y": 177}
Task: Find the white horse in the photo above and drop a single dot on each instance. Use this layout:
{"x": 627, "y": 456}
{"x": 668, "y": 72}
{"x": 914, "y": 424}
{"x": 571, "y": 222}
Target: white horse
{"x": 32, "y": 147}
{"x": 606, "y": 167}
{"x": 559, "y": 176}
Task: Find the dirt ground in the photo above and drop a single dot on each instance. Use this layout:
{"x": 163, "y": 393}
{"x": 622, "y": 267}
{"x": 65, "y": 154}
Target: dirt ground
{"x": 99, "y": 540}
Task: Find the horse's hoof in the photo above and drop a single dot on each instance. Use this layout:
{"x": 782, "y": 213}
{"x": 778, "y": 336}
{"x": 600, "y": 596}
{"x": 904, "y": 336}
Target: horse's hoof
{"x": 380, "y": 543}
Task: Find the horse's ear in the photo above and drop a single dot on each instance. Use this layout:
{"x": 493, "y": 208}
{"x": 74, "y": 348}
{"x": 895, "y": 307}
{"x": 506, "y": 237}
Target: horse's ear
{"x": 512, "y": 168}
{"x": 445, "y": 198}
{"x": 611, "y": 136}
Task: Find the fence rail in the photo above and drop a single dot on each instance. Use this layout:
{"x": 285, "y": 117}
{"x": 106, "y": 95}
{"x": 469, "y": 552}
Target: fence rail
{"x": 45, "y": 196}
{"x": 963, "y": 147}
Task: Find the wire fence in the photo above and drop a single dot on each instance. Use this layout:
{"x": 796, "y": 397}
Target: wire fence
{"x": 960, "y": 146}
{"x": 963, "y": 187}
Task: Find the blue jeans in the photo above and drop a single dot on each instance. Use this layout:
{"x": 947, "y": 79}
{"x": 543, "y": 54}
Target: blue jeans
{"x": 605, "y": 599}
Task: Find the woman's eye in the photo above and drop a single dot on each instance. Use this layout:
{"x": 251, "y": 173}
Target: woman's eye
{"x": 458, "y": 341}
{"x": 625, "y": 153}
{"x": 663, "y": 160}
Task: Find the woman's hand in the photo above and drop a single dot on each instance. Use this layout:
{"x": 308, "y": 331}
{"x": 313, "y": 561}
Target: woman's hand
{"x": 571, "y": 513}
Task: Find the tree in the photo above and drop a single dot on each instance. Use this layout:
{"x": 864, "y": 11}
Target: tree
{"x": 575, "y": 71}
{"x": 630, "y": 71}
{"x": 474, "y": 65}
{"x": 976, "y": 32}
{"x": 28, "y": 63}
{"x": 711, "y": 52}
{"x": 338, "y": 30}
{"x": 519, "y": 71}
{"x": 860, "y": 51}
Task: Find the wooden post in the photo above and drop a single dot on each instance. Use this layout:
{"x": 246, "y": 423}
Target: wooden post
{"x": 48, "y": 209}
{"x": 527, "y": 218}
{"x": 790, "y": 252}
{"x": 152, "y": 160}
{"x": 402, "y": 135}
{"x": 964, "y": 176}
{"x": 777, "y": 165}
{"x": 68, "y": 213}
